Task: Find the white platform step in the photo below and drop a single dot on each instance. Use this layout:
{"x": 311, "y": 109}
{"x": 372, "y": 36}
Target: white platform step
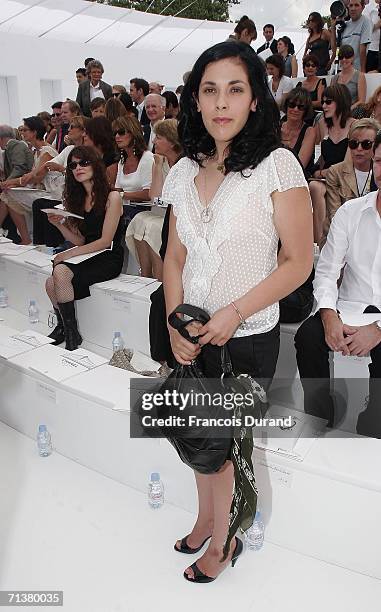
{"x": 98, "y": 316}
{"x": 309, "y": 506}
{"x": 68, "y": 528}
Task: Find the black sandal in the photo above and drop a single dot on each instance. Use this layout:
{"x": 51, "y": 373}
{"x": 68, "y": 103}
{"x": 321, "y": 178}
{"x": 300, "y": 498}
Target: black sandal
{"x": 200, "y": 577}
{"x": 184, "y": 548}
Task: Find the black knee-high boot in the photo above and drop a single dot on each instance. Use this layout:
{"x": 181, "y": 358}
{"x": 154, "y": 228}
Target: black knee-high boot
{"x": 72, "y": 336}
{"x": 58, "y": 333}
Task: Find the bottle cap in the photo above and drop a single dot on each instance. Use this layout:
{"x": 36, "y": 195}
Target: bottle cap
{"x": 41, "y": 428}
{"x": 32, "y": 302}
{"x": 155, "y": 476}
{"x": 257, "y": 516}
{"x": 116, "y": 334}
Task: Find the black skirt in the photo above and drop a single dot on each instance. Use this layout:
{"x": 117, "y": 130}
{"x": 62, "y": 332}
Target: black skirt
{"x": 97, "y": 269}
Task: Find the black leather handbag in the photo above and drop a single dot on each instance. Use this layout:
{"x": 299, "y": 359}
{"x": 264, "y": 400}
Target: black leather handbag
{"x": 203, "y": 447}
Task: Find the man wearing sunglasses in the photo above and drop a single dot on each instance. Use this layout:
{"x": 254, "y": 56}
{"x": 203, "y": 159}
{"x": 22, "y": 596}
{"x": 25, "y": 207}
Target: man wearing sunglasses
{"x": 352, "y": 178}
{"x": 352, "y": 252}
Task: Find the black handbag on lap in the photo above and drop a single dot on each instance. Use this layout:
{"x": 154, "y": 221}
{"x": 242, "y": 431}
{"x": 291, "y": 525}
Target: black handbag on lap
{"x": 201, "y": 446}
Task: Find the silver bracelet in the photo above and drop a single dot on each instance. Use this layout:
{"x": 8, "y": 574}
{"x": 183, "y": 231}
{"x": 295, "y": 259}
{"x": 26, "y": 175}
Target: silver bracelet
{"x": 243, "y": 323}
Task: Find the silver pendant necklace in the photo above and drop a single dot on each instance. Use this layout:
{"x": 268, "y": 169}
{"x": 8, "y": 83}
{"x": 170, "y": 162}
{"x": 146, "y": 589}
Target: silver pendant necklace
{"x": 206, "y": 213}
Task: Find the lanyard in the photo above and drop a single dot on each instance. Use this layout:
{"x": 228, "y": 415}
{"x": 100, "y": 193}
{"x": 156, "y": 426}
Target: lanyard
{"x": 366, "y": 184}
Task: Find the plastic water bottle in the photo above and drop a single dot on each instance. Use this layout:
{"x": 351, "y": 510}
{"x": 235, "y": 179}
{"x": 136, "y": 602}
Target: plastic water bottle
{"x": 155, "y": 491}
{"x": 3, "y": 297}
{"x": 255, "y": 535}
{"x": 44, "y": 441}
{"x": 117, "y": 342}
{"x": 33, "y": 313}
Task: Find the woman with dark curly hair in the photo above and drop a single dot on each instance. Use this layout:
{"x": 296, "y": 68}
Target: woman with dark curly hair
{"x": 87, "y": 194}
{"x": 234, "y": 194}
{"x": 99, "y": 134}
{"x": 296, "y": 132}
{"x": 332, "y": 132}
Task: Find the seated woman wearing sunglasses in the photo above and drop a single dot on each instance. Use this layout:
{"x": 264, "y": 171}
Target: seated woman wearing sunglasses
{"x": 350, "y": 77}
{"x": 332, "y": 132}
{"x": 296, "y": 134}
{"x": 88, "y": 194}
{"x": 312, "y": 83}
{"x": 135, "y": 167}
{"x": 353, "y": 177}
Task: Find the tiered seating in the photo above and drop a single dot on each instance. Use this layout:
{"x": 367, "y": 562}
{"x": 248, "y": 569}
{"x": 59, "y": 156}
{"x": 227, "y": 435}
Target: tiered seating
{"x": 312, "y": 505}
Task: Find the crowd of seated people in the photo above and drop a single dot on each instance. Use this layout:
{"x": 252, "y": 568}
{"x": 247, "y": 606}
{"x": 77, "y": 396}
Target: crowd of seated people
{"x": 123, "y": 141}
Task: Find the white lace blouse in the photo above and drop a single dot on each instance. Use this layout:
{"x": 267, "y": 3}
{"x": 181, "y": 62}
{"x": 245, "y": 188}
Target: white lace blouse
{"x": 237, "y": 249}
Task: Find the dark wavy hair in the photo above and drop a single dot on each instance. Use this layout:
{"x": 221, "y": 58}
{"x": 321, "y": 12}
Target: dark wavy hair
{"x": 246, "y": 24}
{"x": 339, "y": 94}
{"x": 36, "y": 124}
{"x": 75, "y": 193}
{"x": 300, "y": 96}
{"x": 277, "y": 61}
{"x": 310, "y": 57}
{"x": 317, "y": 18}
{"x": 261, "y": 133}
{"x": 289, "y": 44}
{"x": 100, "y": 131}
{"x": 131, "y": 125}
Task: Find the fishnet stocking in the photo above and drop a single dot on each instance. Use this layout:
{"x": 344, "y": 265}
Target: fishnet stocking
{"x": 63, "y": 288}
{"x": 49, "y": 285}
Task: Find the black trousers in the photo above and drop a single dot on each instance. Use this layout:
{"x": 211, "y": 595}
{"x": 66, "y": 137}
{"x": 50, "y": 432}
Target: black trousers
{"x": 371, "y": 61}
{"x": 43, "y": 231}
{"x": 312, "y": 356}
{"x": 12, "y": 230}
{"x": 256, "y": 355}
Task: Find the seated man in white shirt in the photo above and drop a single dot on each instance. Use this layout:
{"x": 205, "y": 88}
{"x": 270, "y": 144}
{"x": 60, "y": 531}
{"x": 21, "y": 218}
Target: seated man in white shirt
{"x": 353, "y": 244}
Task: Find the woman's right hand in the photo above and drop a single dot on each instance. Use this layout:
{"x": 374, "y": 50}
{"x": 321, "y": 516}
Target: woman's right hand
{"x": 183, "y": 350}
{"x": 159, "y": 159}
{"x": 55, "y": 220}
{"x": 52, "y": 165}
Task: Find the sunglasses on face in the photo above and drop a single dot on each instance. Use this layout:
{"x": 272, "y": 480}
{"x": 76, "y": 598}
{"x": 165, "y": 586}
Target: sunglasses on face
{"x": 365, "y": 144}
{"x": 341, "y": 57}
{"x": 310, "y": 65}
{"x": 72, "y": 126}
{"x": 296, "y": 105}
{"x": 83, "y": 163}
{"x": 115, "y": 94}
{"x": 327, "y": 101}
{"x": 120, "y": 132}
{"x": 56, "y": 115}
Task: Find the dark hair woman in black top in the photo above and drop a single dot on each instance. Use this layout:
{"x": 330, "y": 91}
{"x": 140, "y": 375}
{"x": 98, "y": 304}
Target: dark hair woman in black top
{"x": 87, "y": 194}
{"x": 319, "y": 42}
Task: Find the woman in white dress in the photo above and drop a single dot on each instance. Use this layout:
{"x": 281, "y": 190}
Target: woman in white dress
{"x": 143, "y": 236}
{"x": 134, "y": 174}
{"x": 234, "y": 195}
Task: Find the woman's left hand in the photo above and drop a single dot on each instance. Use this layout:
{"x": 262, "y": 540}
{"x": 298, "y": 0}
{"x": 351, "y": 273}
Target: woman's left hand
{"x": 220, "y": 328}
{"x": 63, "y": 256}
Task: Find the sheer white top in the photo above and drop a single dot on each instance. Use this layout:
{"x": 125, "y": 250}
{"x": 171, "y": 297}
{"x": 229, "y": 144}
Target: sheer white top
{"x": 138, "y": 180}
{"x": 237, "y": 249}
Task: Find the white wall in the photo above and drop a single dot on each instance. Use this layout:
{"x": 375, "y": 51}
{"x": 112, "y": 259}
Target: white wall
{"x": 27, "y": 61}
